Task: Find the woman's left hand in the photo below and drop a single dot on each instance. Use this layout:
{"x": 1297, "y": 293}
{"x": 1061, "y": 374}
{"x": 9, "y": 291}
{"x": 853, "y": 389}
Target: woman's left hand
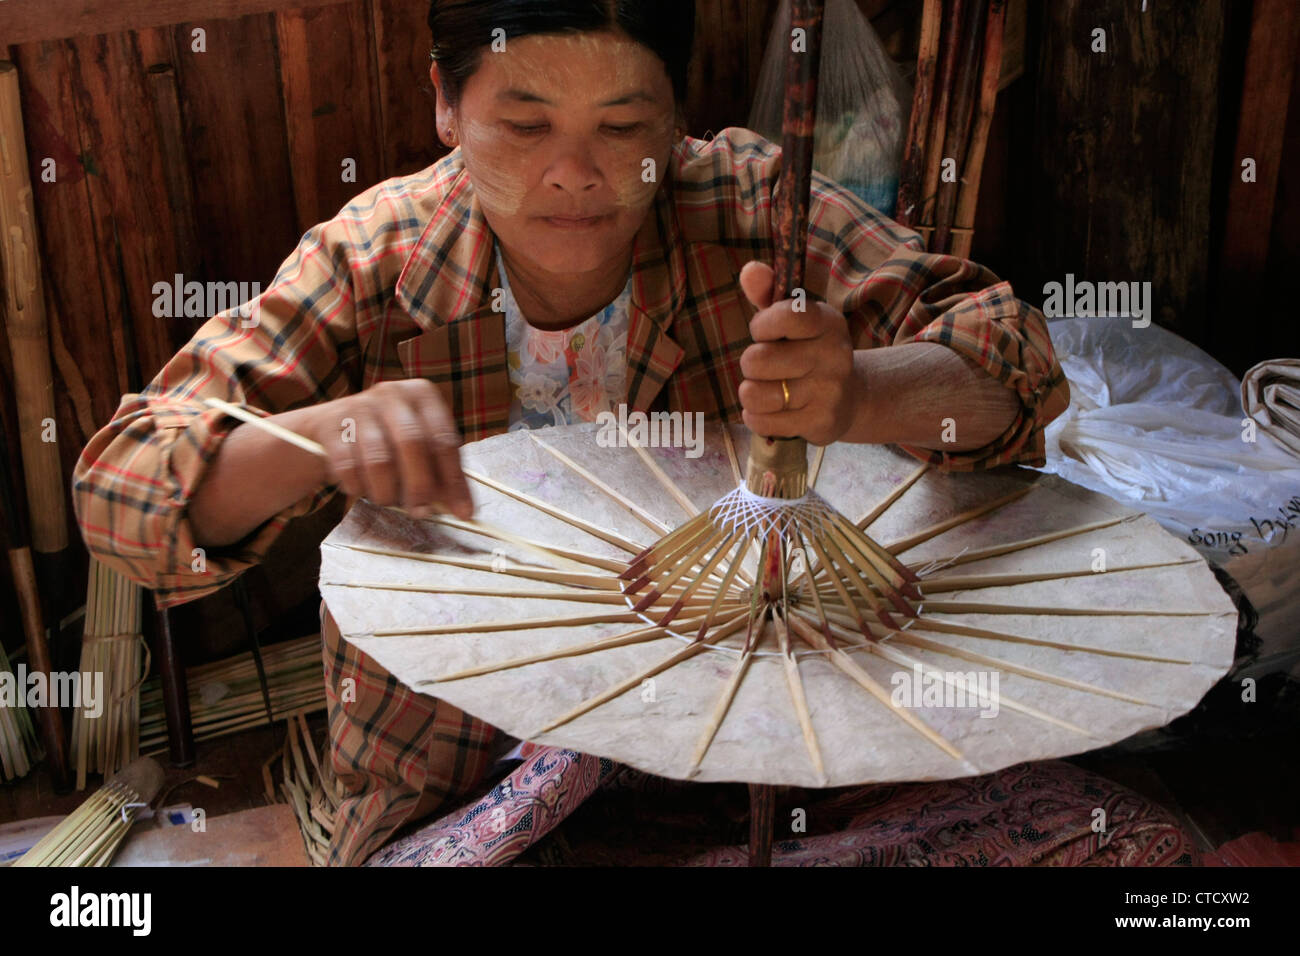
{"x": 810, "y": 351}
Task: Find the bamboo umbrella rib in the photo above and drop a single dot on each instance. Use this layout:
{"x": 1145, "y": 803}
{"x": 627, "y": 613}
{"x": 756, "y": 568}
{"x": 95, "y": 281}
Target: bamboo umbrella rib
{"x": 560, "y": 514}
{"x": 664, "y": 587}
{"x": 911, "y": 637}
{"x": 888, "y": 579}
{"x": 669, "y": 572}
{"x": 668, "y": 484}
{"x": 531, "y": 572}
{"x": 869, "y": 684}
{"x": 835, "y": 580}
{"x": 974, "y": 607}
{"x": 730, "y": 445}
{"x": 584, "y": 595}
{"x": 962, "y": 630}
{"x": 690, "y": 650}
{"x": 797, "y": 696}
{"x": 720, "y": 708}
{"x": 640, "y": 635}
{"x": 870, "y": 517}
{"x": 645, "y": 517}
{"x": 963, "y": 582}
{"x": 896, "y": 656}
{"x": 997, "y": 550}
{"x": 724, "y": 589}
{"x": 947, "y": 627}
{"x": 925, "y": 534}
{"x": 815, "y": 468}
{"x": 561, "y": 556}
{"x": 515, "y": 625}
{"x": 831, "y": 546}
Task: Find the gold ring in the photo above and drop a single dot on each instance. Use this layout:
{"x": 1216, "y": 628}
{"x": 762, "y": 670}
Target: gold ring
{"x": 785, "y": 391}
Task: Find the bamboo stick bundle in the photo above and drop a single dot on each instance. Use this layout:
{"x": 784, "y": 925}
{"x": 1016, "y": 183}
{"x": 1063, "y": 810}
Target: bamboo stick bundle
{"x": 113, "y": 645}
{"x": 957, "y": 131}
{"x": 225, "y": 696}
{"x": 909, "y": 183}
{"x": 91, "y": 834}
{"x": 18, "y": 746}
{"x": 938, "y": 120}
{"x": 973, "y": 167}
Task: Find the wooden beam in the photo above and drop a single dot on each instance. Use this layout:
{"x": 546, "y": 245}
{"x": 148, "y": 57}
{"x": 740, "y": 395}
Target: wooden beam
{"x": 1265, "y": 98}
{"x": 35, "y": 20}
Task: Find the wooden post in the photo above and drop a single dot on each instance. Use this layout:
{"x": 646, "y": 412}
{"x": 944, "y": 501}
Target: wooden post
{"x": 762, "y": 807}
{"x": 180, "y": 728}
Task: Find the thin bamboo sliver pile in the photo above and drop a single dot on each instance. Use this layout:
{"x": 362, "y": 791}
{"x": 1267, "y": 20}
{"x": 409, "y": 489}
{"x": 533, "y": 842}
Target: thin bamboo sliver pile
{"x": 112, "y": 646}
{"x": 225, "y": 696}
{"x": 308, "y": 785}
{"x": 18, "y": 744}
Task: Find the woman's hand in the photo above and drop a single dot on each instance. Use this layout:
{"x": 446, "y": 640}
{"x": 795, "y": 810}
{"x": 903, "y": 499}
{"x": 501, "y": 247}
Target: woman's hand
{"x": 394, "y": 444}
{"x": 810, "y": 351}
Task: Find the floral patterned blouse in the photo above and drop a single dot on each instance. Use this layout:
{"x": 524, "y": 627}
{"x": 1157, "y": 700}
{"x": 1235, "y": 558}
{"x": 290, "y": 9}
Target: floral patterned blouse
{"x": 569, "y": 376}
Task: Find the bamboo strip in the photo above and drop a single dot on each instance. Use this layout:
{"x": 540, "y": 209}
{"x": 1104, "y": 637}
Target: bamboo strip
{"x": 571, "y": 594}
{"x": 668, "y": 484}
{"x": 720, "y": 708}
{"x": 890, "y": 653}
{"x": 815, "y": 468}
{"x": 867, "y": 683}
{"x": 555, "y": 556}
{"x": 690, "y": 650}
{"x": 559, "y": 513}
{"x": 515, "y": 625}
{"x": 933, "y": 624}
{"x": 910, "y": 636}
{"x": 975, "y": 607}
{"x": 645, "y": 517}
{"x": 573, "y": 650}
{"x": 475, "y": 564}
{"x": 925, "y": 534}
{"x": 962, "y": 582}
{"x": 729, "y": 444}
{"x": 870, "y": 517}
{"x": 997, "y": 550}
{"x": 797, "y": 696}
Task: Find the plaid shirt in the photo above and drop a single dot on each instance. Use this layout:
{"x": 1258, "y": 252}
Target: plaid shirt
{"x": 400, "y": 284}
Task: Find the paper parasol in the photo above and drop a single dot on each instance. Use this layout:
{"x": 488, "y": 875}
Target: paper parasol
{"x": 1052, "y": 619}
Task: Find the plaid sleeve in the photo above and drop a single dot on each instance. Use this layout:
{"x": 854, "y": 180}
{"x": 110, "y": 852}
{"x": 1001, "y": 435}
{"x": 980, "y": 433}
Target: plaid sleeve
{"x": 294, "y": 344}
{"x": 879, "y": 275}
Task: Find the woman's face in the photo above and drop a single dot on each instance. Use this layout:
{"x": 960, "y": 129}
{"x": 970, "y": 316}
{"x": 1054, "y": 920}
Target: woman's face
{"x": 566, "y": 140}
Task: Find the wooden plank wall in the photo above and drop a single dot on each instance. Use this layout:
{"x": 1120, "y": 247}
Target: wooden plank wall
{"x": 210, "y": 159}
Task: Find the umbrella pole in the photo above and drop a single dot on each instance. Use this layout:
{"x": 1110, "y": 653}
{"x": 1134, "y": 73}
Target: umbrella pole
{"x": 790, "y": 227}
{"x": 762, "y": 807}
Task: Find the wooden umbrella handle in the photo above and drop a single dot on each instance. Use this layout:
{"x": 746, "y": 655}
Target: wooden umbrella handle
{"x": 778, "y": 467}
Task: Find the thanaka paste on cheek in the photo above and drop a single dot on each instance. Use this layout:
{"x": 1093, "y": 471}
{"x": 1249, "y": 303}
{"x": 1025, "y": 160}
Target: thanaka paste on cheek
{"x": 498, "y": 183}
{"x": 514, "y": 176}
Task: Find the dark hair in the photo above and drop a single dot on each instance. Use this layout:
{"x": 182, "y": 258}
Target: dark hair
{"x": 462, "y": 30}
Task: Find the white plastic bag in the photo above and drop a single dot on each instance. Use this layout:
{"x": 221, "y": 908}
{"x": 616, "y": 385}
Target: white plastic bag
{"x": 1157, "y": 423}
{"x": 863, "y": 103}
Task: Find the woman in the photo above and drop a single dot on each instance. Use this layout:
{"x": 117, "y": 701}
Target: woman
{"x": 574, "y": 251}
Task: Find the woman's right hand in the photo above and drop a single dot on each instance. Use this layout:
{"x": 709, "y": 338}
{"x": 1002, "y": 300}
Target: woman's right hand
{"x": 396, "y": 443}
